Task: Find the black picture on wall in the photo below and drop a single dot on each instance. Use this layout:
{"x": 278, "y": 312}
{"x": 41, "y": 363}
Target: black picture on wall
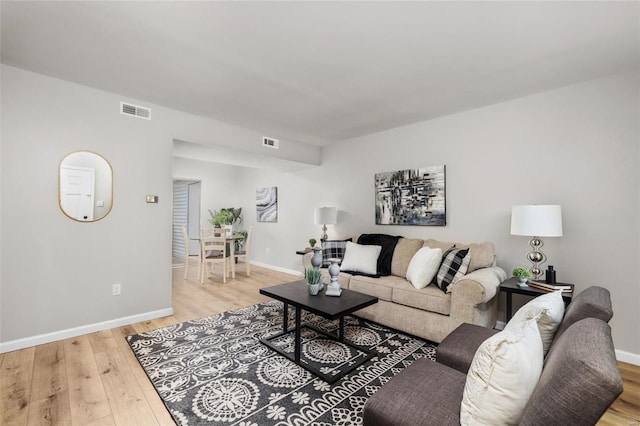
{"x": 411, "y": 197}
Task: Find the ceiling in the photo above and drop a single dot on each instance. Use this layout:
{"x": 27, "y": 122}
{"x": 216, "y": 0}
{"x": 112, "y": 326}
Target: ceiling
{"x": 321, "y": 72}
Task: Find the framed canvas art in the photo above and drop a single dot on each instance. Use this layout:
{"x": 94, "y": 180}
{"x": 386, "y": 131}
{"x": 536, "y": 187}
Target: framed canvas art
{"x": 411, "y": 197}
{"x": 267, "y": 204}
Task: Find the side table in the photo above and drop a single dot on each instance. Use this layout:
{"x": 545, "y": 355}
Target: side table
{"x": 511, "y": 286}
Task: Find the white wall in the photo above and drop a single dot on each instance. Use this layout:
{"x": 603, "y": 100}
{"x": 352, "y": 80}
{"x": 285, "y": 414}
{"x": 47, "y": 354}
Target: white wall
{"x": 218, "y": 184}
{"x": 56, "y": 274}
{"x": 576, "y": 146}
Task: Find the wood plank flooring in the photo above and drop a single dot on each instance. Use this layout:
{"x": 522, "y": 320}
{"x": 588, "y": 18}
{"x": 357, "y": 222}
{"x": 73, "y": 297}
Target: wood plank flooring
{"x": 95, "y": 379}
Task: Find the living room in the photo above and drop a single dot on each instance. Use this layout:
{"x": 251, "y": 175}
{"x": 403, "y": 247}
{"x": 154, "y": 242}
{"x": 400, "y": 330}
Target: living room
{"x": 575, "y": 145}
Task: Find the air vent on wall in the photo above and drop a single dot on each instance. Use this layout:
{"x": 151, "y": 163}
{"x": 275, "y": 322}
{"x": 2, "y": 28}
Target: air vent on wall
{"x": 135, "y": 111}
{"x": 270, "y": 142}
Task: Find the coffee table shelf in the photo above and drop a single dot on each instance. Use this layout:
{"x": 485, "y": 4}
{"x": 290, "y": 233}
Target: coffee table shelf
{"x": 297, "y": 295}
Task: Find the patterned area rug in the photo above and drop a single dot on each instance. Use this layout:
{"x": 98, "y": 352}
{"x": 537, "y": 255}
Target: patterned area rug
{"x": 214, "y": 370}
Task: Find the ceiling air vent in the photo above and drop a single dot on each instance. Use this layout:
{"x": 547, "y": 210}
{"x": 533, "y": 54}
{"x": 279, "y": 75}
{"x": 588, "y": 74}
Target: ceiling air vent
{"x": 134, "y": 110}
{"x": 270, "y": 142}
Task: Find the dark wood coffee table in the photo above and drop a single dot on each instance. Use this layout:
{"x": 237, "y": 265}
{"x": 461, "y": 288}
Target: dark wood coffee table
{"x": 297, "y": 295}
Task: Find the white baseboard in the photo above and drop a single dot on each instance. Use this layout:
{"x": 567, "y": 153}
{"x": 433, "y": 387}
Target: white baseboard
{"x": 277, "y": 268}
{"x": 41, "y": 339}
{"x": 628, "y": 357}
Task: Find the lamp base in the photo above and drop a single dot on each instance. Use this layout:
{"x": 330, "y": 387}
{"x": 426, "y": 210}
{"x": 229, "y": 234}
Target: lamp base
{"x": 324, "y": 235}
{"x": 536, "y": 257}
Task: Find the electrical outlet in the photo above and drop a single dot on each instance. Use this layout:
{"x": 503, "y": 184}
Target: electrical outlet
{"x": 115, "y": 290}
{"x": 267, "y": 250}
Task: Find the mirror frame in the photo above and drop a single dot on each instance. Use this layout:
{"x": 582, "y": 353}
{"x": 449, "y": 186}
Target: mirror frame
{"x": 110, "y": 168}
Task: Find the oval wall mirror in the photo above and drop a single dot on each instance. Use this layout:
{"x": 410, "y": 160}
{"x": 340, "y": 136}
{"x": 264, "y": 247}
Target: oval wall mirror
{"x": 85, "y": 186}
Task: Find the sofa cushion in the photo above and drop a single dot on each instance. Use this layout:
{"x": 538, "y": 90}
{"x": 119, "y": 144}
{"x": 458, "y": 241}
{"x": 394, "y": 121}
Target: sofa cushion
{"x": 387, "y": 244}
{"x": 430, "y": 298}
{"x": 547, "y": 310}
{"x": 483, "y": 255}
{"x": 424, "y": 393}
{"x": 360, "y": 258}
{"x": 503, "y": 374}
{"x": 424, "y": 266}
{"x": 333, "y": 249}
{"x": 402, "y": 255}
{"x": 382, "y": 288}
{"x": 455, "y": 263}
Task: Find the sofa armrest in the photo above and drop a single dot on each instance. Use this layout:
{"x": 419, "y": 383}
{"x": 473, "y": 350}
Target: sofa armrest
{"x": 473, "y": 297}
{"x": 458, "y": 348}
{"x": 489, "y": 280}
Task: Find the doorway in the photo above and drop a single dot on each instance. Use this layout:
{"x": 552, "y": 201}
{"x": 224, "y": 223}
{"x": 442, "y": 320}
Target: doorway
{"x": 77, "y": 192}
{"x": 186, "y": 212}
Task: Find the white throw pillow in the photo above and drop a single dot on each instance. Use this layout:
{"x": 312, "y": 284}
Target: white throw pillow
{"x": 361, "y": 258}
{"x": 423, "y": 266}
{"x": 548, "y": 311}
{"x": 502, "y": 376}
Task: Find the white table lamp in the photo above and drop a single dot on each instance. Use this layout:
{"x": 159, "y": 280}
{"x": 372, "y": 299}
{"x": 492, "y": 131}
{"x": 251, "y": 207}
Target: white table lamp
{"x": 326, "y": 216}
{"x": 536, "y": 221}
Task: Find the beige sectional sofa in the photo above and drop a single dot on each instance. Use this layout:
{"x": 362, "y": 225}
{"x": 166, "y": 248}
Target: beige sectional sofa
{"x": 430, "y": 313}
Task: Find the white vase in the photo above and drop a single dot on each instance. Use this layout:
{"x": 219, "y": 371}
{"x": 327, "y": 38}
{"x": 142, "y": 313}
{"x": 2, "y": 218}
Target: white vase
{"x": 316, "y": 260}
{"x": 314, "y": 289}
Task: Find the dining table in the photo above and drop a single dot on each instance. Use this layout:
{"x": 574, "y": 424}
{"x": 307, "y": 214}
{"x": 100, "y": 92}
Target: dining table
{"x": 231, "y": 244}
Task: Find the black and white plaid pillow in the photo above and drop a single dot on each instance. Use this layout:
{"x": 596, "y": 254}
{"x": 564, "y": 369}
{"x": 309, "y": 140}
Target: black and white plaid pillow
{"x": 332, "y": 249}
{"x": 455, "y": 263}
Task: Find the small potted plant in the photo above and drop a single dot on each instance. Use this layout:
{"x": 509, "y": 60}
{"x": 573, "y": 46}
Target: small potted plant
{"x": 312, "y": 242}
{"x": 314, "y": 280}
{"x": 522, "y": 274}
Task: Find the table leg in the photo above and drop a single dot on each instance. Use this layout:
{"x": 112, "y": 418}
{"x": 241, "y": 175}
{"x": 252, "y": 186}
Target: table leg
{"x": 509, "y": 306}
{"x": 285, "y": 318}
{"x": 341, "y": 329}
{"x": 298, "y": 344}
{"x": 233, "y": 257}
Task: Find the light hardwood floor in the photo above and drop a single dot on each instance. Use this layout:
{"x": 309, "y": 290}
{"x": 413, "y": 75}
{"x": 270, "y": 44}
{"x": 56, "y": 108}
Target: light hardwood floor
{"x": 95, "y": 379}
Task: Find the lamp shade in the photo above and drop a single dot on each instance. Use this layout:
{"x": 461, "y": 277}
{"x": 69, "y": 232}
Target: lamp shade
{"x": 536, "y": 220}
{"x": 326, "y": 216}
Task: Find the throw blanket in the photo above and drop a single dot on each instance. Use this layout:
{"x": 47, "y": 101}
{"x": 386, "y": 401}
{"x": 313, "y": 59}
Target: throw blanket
{"x": 388, "y": 243}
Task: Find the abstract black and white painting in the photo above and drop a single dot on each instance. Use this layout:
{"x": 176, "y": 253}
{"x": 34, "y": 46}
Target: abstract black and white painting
{"x": 411, "y": 197}
{"x": 267, "y": 204}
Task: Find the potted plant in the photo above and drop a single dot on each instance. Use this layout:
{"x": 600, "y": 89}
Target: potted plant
{"x": 314, "y": 280}
{"x": 225, "y": 216}
{"x": 312, "y": 242}
{"x": 522, "y": 274}
{"x": 239, "y": 244}
{"x": 229, "y": 216}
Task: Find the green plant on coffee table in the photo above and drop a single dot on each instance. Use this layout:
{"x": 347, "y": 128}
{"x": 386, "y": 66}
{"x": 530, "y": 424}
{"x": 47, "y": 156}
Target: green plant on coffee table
{"x": 312, "y": 242}
{"x": 314, "y": 276}
{"x": 521, "y": 273}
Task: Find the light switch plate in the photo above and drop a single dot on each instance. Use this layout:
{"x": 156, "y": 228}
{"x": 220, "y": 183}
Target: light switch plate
{"x": 152, "y": 199}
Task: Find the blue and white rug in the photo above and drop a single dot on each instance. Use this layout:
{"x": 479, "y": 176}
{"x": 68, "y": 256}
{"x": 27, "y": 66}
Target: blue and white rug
{"x": 214, "y": 370}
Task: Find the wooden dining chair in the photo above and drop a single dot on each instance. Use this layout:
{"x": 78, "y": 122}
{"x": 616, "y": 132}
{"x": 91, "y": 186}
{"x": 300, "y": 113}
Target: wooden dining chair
{"x": 214, "y": 249}
{"x": 188, "y": 255}
{"x": 244, "y": 253}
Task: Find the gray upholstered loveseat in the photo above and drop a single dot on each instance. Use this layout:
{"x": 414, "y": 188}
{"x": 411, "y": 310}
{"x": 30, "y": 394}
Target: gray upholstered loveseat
{"x": 429, "y": 312}
{"x": 579, "y": 379}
